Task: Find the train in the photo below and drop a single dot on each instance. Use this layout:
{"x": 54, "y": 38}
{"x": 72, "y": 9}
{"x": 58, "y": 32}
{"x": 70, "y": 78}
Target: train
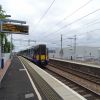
{"x": 37, "y": 54}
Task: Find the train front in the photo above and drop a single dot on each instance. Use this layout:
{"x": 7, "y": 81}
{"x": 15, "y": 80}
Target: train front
{"x": 41, "y": 55}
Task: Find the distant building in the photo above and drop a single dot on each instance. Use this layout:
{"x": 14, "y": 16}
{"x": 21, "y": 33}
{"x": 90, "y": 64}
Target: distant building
{"x": 82, "y": 53}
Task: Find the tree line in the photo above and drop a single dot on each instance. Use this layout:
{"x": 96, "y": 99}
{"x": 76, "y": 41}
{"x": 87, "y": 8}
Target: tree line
{"x": 6, "y": 45}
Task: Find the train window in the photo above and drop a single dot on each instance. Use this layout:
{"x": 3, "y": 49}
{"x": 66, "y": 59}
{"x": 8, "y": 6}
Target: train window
{"x": 43, "y": 49}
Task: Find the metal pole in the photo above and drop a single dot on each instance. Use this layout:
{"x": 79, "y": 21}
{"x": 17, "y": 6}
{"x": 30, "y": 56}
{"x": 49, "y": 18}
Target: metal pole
{"x": 29, "y": 42}
{"x": 75, "y": 47}
{"x": 61, "y": 51}
{"x": 61, "y": 41}
{"x": 11, "y": 47}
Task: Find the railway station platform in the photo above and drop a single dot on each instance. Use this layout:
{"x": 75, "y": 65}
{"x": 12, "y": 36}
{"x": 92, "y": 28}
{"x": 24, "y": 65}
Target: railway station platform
{"x": 25, "y": 81}
{"x": 15, "y": 84}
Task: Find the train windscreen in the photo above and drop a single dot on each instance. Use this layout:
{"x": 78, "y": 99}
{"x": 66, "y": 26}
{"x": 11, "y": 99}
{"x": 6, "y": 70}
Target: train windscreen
{"x": 43, "y": 49}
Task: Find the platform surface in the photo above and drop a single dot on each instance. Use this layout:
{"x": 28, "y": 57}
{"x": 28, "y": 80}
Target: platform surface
{"x": 79, "y": 63}
{"x": 15, "y": 85}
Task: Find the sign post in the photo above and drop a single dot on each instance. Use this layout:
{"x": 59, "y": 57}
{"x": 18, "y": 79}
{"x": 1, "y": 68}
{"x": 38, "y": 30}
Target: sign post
{"x": 9, "y": 26}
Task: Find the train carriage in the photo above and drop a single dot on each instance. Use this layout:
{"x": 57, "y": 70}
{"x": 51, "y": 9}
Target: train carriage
{"x": 37, "y": 54}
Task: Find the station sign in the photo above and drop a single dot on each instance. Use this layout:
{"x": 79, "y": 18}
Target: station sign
{"x": 14, "y": 28}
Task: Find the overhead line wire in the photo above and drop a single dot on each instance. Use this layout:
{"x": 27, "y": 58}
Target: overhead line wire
{"x": 74, "y": 21}
{"x": 79, "y": 34}
{"x": 75, "y": 11}
{"x": 65, "y": 39}
{"x": 41, "y": 18}
{"x": 87, "y": 25}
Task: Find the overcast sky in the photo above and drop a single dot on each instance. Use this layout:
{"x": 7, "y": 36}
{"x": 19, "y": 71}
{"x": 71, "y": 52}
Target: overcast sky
{"x": 66, "y": 17}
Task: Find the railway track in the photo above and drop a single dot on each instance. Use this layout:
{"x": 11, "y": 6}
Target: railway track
{"x": 79, "y": 73}
{"x": 84, "y": 83}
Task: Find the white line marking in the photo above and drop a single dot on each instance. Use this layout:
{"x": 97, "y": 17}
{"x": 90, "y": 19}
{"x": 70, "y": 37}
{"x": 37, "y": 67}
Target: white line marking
{"x": 33, "y": 85}
{"x": 30, "y": 95}
{"x": 22, "y": 69}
